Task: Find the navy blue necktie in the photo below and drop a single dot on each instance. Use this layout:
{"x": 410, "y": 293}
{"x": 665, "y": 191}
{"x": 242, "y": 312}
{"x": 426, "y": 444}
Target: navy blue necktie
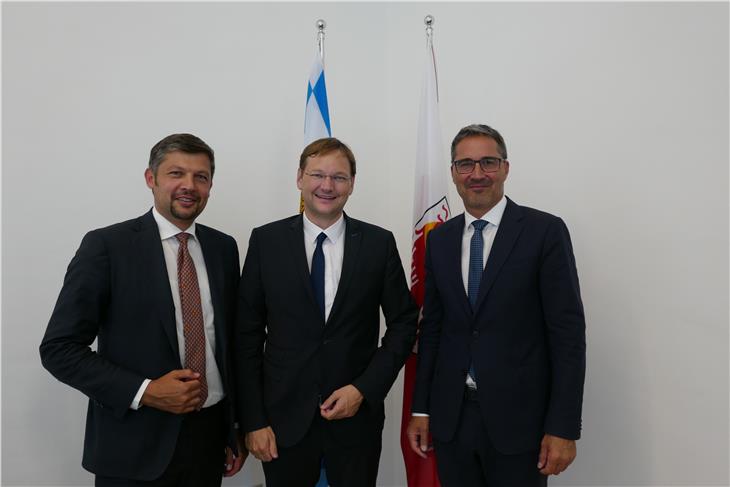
{"x": 476, "y": 261}
{"x": 317, "y": 274}
{"x": 476, "y": 267}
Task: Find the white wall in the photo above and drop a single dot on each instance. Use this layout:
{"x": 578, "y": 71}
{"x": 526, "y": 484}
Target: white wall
{"x": 615, "y": 116}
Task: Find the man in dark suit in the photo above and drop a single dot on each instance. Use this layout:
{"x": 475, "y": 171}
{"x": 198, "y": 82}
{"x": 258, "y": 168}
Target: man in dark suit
{"x": 306, "y": 350}
{"x": 501, "y": 353}
{"x": 158, "y": 294}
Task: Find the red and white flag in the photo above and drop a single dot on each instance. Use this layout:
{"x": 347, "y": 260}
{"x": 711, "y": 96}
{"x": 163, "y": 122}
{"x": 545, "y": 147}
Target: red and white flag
{"x": 430, "y": 209}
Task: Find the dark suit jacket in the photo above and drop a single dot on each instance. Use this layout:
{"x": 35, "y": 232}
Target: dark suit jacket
{"x": 117, "y": 291}
{"x": 287, "y": 359}
{"x": 526, "y": 337}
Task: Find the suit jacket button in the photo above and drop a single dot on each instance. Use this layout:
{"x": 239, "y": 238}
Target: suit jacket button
{"x": 326, "y": 341}
{"x": 475, "y": 334}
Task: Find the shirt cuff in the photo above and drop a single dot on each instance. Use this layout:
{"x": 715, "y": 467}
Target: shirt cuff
{"x": 137, "y": 398}
{"x": 423, "y": 415}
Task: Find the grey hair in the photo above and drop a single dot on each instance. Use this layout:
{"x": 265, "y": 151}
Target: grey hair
{"x": 480, "y": 130}
{"x": 187, "y": 143}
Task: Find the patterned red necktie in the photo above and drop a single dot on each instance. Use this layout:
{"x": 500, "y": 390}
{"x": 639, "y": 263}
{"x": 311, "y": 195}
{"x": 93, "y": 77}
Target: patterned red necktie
{"x": 192, "y": 314}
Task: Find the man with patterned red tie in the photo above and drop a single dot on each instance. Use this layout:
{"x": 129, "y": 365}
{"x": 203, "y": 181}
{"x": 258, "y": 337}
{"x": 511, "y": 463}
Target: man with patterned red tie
{"x": 158, "y": 294}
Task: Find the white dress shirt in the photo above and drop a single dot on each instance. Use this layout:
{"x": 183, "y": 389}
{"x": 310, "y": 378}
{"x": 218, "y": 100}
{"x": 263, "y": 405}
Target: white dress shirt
{"x": 333, "y": 248}
{"x": 170, "y": 246}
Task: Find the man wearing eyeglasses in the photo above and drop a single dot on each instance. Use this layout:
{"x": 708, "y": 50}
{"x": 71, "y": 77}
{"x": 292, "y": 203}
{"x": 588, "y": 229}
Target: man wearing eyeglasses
{"x": 501, "y": 358}
{"x": 311, "y": 377}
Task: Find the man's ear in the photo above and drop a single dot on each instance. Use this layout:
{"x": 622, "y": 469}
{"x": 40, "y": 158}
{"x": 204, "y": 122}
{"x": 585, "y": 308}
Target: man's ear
{"x": 149, "y": 178}
{"x": 300, "y": 173}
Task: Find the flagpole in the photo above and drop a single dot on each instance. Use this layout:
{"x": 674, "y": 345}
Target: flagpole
{"x": 429, "y": 20}
{"x": 321, "y": 25}
{"x": 430, "y": 209}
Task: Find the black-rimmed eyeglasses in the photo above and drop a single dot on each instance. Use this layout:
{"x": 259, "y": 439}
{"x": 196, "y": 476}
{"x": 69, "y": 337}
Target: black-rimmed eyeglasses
{"x": 488, "y": 164}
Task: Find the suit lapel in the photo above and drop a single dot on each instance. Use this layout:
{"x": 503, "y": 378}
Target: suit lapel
{"x": 507, "y": 233}
{"x": 454, "y": 238}
{"x": 296, "y": 242}
{"x": 353, "y": 239}
{"x": 153, "y": 272}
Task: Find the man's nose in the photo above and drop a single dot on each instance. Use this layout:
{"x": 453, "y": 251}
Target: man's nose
{"x": 478, "y": 173}
{"x": 188, "y": 181}
{"x": 327, "y": 183}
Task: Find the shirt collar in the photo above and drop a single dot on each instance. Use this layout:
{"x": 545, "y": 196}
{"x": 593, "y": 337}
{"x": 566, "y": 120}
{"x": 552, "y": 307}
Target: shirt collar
{"x": 493, "y": 216}
{"x": 167, "y": 228}
{"x": 334, "y": 232}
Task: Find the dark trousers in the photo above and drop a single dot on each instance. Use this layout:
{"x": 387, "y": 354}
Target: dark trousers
{"x": 346, "y": 465}
{"x": 470, "y": 459}
{"x": 199, "y": 454}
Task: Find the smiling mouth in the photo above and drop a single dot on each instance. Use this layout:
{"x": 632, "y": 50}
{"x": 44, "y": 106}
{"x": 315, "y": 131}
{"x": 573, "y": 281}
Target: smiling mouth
{"x": 325, "y": 197}
{"x": 482, "y": 183}
{"x": 186, "y": 200}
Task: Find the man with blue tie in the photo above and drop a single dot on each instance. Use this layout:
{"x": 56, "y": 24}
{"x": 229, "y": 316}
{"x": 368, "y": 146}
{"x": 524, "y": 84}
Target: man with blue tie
{"x": 311, "y": 377}
{"x": 501, "y": 358}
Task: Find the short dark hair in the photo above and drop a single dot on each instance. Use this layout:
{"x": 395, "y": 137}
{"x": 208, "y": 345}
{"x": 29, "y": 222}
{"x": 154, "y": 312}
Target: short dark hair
{"x": 480, "y": 130}
{"x": 187, "y": 143}
{"x": 321, "y": 147}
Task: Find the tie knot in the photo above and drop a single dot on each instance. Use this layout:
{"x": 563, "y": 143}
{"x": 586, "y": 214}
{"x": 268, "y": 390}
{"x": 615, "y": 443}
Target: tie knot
{"x": 183, "y": 237}
{"x": 320, "y": 238}
{"x": 479, "y": 225}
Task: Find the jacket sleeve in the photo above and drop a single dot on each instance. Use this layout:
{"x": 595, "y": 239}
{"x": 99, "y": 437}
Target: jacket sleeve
{"x": 429, "y": 335}
{"x": 79, "y": 312}
{"x": 401, "y": 317}
{"x": 248, "y": 342}
{"x": 565, "y": 323}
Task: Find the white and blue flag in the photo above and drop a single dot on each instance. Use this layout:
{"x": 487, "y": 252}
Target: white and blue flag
{"x": 316, "y": 115}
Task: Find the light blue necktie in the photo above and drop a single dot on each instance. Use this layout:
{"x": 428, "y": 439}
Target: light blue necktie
{"x": 317, "y": 273}
{"x": 476, "y": 267}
